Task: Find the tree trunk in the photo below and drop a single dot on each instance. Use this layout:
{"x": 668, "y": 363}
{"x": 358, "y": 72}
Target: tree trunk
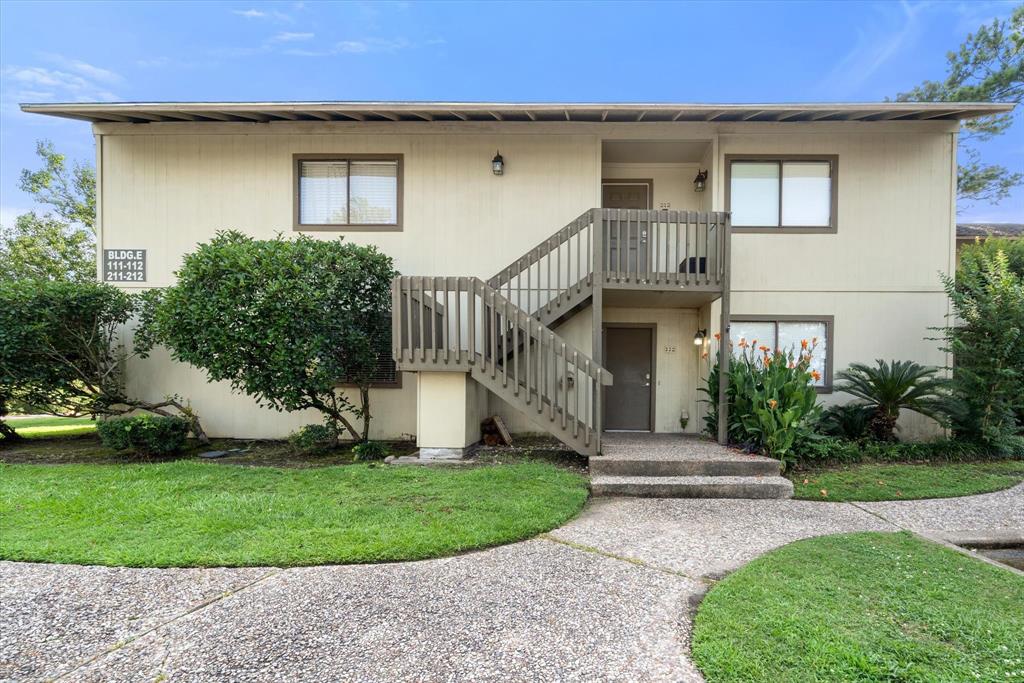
{"x": 364, "y": 396}
{"x": 8, "y": 434}
{"x": 883, "y": 426}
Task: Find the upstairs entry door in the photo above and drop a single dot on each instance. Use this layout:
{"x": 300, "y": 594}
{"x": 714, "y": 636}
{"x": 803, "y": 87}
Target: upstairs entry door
{"x": 627, "y": 194}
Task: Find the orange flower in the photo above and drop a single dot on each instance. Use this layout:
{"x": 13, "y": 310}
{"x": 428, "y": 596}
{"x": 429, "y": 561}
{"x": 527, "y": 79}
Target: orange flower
{"x": 717, "y": 336}
{"x": 704, "y": 355}
{"x": 803, "y": 343}
{"x": 814, "y": 340}
{"x": 772, "y": 403}
{"x": 753, "y": 343}
{"x": 764, "y": 348}
{"x": 816, "y": 375}
{"x": 743, "y": 343}
{"x": 767, "y": 360}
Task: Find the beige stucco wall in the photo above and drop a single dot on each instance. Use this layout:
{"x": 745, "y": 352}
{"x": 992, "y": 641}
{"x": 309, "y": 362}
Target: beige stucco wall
{"x": 167, "y": 187}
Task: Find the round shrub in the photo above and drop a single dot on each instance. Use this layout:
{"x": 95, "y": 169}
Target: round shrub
{"x": 371, "y": 450}
{"x": 313, "y": 439}
{"x": 144, "y": 434}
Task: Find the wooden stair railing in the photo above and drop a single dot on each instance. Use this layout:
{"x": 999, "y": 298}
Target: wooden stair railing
{"x": 464, "y": 324}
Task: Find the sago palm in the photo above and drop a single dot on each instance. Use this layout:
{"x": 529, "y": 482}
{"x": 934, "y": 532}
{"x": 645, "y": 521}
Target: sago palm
{"x": 891, "y": 386}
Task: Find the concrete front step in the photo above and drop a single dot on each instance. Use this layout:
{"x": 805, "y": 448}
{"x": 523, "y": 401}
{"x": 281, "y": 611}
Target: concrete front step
{"x": 745, "y": 466}
{"x": 692, "y": 487}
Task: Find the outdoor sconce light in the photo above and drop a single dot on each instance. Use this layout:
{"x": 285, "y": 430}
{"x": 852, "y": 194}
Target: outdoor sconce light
{"x": 700, "y": 181}
{"x": 498, "y": 164}
{"x": 699, "y": 338}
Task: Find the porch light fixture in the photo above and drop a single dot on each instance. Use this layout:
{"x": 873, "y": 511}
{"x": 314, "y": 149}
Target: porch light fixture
{"x": 498, "y": 164}
{"x": 700, "y": 181}
{"x": 699, "y": 338}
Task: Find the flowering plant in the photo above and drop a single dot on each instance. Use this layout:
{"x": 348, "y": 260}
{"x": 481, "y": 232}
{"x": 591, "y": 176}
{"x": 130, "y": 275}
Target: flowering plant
{"x": 772, "y": 400}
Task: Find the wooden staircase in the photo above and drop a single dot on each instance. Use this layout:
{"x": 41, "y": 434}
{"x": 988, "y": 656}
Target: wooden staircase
{"x": 500, "y": 331}
{"x": 462, "y": 323}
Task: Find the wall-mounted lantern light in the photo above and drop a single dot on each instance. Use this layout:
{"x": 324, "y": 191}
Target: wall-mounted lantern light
{"x": 498, "y": 164}
{"x": 698, "y": 339}
{"x": 700, "y": 181}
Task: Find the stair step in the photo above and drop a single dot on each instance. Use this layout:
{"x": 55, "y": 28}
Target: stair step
{"x": 751, "y": 466}
{"x": 692, "y": 487}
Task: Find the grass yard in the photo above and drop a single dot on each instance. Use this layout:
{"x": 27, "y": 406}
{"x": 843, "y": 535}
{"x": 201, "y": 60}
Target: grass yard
{"x": 867, "y": 482}
{"x": 48, "y": 426}
{"x": 863, "y": 607}
{"x": 186, "y": 513}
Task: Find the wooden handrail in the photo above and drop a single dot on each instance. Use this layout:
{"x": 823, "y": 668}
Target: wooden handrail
{"x": 462, "y": 323}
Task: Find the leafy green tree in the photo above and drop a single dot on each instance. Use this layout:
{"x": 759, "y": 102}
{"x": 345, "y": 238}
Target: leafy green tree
{"x": 61, "y": 351}
{"x": 987, "y": 342}
{"x": 988, "y": 67}
{"x": 46, "y": 248}
{"x": 892, "y": 386}
{"x": 69, "y": 189}
{"x": 284, "y": 321}
{"x": 61, "y": 244}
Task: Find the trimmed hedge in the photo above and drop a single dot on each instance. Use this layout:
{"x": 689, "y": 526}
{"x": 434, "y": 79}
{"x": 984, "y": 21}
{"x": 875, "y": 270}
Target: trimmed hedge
{"x": 827, "y": 450}
{"x": 144, "y": 434}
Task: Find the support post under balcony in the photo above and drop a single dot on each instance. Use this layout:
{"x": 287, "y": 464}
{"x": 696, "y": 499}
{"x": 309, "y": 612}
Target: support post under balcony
{"x": 597, "y": 300}
{"x": 724, "y": 353}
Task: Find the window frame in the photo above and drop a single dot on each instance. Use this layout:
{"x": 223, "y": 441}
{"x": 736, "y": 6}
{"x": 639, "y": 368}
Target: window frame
{"x": 780, "y": 159}
{"x": 298, "y": 226}
{"x": 828, "y": 320}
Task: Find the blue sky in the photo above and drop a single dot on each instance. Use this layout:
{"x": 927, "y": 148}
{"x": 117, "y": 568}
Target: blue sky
{"x": 688, "y": 52}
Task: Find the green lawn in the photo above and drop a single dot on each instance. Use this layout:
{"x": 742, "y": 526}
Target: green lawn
{"x": 863, "y": 607}
{"x": 187, "y": 513}
{"x": 906, "y": 482}
{"x": 45, "y": 427}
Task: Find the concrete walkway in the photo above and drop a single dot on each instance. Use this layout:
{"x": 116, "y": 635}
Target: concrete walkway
{"x": 605, "y": 598}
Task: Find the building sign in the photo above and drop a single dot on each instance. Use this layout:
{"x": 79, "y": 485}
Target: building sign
{"x": 124, "y": 265}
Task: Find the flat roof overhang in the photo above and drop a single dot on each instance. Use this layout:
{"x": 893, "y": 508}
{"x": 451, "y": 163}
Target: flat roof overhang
{"x": 262, "y": 112}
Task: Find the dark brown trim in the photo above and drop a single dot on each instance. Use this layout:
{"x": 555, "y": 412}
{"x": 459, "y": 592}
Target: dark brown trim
{"x": 649, "y": 182}
{"x": 653, "y": 327}
{"x": 833, "y": 161}
{"x": 829, "y": 321}
{"x": 375, "y": 227}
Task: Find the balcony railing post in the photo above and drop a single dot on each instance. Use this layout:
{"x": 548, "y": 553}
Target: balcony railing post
{"x": 724, "y": 353}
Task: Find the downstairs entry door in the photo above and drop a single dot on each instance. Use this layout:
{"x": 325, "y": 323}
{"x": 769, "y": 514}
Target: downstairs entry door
{"x": 629, "y": 357}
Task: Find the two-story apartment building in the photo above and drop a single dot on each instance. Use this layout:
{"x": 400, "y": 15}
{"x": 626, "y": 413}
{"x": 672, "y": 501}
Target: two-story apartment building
{"x": 566, "y": 266}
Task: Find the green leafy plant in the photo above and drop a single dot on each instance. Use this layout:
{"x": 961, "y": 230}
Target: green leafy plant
{"x": 986, "y": 338}
{"x": 371, "y": 450}
{"x": 891, "y": 386}
{"x": 283, "y": 320}
{"x": 312, "y": 439}
{"x": 61, "y": 351}
{"x": 848, "y": 421}
{"x": 144, "y": 434}
{"x": 772, "y": 401}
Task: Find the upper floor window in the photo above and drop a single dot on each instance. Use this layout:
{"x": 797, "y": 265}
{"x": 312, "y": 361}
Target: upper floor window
{"x": 792, "y": 192}
{"x": 348, "y": 192}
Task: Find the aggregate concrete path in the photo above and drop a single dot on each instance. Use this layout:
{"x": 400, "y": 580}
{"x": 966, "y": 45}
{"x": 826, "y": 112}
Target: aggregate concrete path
{"x": 605, "y": 598}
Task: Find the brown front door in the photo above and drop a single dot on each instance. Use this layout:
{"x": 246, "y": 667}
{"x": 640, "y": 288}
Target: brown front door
{"x": 628, "y": 356}
{"x": 627, "y": 194}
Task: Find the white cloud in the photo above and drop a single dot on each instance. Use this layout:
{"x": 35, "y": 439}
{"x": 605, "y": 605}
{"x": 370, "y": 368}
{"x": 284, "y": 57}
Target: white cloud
{"x": 291, "y": 37}
{"x": 36, "y": 80}
{"x": 362, "y": 46}
{"x": 877, "y": 42}
{"x": 262, "y": 14}
{"x": 83, "y": 68}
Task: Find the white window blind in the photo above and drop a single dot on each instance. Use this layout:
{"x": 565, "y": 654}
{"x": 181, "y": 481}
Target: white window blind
{"x": 348, "y": 192}
{"x": 374, "y": 192}
{"x": 323, "y": 192}
{"x": 755, "y": 194}
{"x": 776, "y": 193}
{"x": 806, "y": 193}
